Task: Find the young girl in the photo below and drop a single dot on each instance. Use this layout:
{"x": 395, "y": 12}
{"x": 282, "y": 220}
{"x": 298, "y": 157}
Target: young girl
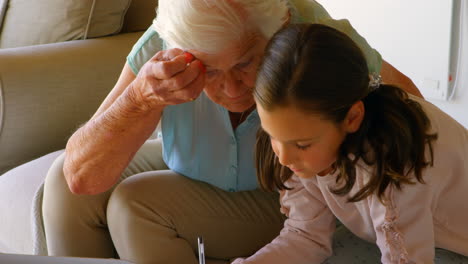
{"x": 337, "y": 143}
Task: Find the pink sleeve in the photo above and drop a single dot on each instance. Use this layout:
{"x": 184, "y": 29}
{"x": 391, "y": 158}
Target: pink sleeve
{"x": 307, "y": 233}
{"x": 404, "y": 226}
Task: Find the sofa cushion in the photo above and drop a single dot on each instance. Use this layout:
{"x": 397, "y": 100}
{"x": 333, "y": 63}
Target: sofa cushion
{"x": 17, "y": 191}
{"x": 140, "y": 15}
{"x": 32, "y": 22}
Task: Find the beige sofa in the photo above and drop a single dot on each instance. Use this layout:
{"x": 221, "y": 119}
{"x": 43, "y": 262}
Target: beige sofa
{"x": 46, "y": 92}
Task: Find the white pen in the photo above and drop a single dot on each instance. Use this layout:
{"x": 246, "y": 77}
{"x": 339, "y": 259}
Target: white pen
{"x": 201, "y": 251}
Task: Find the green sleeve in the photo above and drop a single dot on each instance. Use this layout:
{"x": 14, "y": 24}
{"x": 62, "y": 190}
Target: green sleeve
{"x": 312, "y": 12}
{"x": 144, "y": 49}
{"x": 374, "y": 59}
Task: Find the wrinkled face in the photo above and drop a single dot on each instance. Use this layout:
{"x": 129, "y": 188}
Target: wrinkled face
{"x": 304, "y": 142}
{"x": 231, "y": 74}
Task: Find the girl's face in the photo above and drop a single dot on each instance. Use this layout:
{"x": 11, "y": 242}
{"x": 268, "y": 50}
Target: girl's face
{"x": 306, "y": 143}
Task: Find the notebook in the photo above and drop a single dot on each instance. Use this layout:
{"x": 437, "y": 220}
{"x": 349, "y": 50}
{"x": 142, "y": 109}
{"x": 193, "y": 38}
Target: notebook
{"x": 31, "y": 259}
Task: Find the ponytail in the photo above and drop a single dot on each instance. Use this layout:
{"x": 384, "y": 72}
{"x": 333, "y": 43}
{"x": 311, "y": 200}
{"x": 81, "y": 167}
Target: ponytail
{"x": 393, "y": 138}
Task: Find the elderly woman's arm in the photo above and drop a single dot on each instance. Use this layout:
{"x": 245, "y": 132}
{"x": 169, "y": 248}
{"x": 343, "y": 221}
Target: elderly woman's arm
{"x": 392, "y": 76}
{"x": 375, "y": 62}
{"x": 311, "y": 11}
{"x": 98, "y": 152}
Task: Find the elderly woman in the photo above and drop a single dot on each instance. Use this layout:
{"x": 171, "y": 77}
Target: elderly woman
{"x": 193, "y": 70}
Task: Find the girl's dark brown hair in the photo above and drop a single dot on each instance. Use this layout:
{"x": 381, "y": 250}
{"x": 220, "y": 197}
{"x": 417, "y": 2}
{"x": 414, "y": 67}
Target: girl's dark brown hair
{"x": 322, "y": 71}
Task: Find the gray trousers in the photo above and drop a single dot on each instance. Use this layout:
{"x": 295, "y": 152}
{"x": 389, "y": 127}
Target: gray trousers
{"x": 155, "y": 215}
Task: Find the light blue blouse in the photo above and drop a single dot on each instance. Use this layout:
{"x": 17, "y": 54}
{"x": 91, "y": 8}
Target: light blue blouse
{"x": 198, "y": 139}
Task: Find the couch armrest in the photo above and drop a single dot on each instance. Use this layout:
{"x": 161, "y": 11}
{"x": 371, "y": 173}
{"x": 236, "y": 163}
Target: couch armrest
{"x": 47, "y": 91}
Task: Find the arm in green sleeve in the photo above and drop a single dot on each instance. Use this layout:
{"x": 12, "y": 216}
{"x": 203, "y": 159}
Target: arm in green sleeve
{"x": 312, "y": 12}
{"x": 373, "y": 57}
{"x": 309, "y": 11}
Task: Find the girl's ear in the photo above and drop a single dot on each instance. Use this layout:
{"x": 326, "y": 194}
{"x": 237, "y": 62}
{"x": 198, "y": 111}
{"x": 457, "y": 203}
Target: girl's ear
{"x": 354, "y": 117}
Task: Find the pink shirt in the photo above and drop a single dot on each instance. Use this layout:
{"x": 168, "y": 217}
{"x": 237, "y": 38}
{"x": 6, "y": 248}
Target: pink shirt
{"x": 416, "y": 219}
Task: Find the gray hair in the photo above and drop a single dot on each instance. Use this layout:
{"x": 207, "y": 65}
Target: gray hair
{"x": 211, "y": 25}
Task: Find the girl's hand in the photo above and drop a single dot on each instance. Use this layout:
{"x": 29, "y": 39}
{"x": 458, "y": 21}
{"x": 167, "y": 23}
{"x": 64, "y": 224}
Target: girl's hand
{"x": 170, "y": 77}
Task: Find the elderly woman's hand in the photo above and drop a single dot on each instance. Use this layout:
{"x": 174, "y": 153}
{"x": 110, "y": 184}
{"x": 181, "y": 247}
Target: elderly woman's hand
{"x": 170, "y": 77}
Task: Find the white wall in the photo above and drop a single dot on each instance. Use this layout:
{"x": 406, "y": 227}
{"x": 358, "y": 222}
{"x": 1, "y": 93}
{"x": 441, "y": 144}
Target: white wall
{"x": 415, "y": 36}
{"x": 458, "y": 107}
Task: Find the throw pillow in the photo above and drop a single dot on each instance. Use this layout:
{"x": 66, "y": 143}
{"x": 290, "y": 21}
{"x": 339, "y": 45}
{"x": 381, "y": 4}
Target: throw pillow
{"x": 32, "y": 22}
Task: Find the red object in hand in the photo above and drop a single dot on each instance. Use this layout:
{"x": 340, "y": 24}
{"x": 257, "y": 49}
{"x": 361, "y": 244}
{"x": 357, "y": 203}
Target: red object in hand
{"x": 188, "y": 57}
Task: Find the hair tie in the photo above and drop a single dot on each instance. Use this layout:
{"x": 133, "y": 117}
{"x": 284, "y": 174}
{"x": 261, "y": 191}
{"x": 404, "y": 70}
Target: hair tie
{"x": 374, "y": 81}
